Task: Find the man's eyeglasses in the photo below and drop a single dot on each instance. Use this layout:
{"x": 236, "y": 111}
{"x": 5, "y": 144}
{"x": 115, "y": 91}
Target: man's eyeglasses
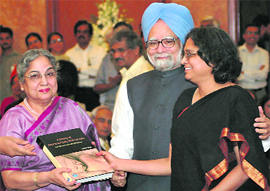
{"x": 35, "y": 76}
{"x": 118, "y": 50}
{"x": 188, "y": 55}
{"x": 57, "y": 40}
{"x": 167, "y": 42}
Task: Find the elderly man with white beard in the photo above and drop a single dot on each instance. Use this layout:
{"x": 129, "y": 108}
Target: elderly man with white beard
{"x": 143, "y": 110}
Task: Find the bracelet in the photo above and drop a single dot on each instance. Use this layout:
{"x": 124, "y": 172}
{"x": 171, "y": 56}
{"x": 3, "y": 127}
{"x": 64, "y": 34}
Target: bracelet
{"x": 35, "y": 180}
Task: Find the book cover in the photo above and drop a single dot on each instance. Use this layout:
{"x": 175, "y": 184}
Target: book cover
{"x": 73, "y": 150}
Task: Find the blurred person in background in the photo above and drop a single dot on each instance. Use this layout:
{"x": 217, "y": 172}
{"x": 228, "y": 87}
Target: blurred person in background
{"x": 16, "y": 91}
{"x": 87, "y": 58}
{"x": 56, "y": 46}
{"x": 8, "y": 58}
{"x": 33, "y": 41}
{"x": 210, "y": 21}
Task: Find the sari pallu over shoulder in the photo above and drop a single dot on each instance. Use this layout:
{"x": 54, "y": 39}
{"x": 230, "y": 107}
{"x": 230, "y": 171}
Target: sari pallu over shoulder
{"x": 203, "y": 137}
{"x": 54, "y": 112}
{"x": 63, "y": 114}
{"x": 45, "y": 119}
{"x": 247, "y": 167}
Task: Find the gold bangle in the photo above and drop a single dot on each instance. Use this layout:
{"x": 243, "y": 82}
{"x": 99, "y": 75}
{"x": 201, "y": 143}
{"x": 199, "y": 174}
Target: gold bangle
{"x": 35, "y": 180}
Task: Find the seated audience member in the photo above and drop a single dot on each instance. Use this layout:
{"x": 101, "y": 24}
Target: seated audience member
{"x": 255, "y": 63}
{"x": 41, "y": 113}
{"x": 56, "y": 46}
{"x": 102, "y": 118}
{"x": 33, "y": 41}
{"x": 16, "y": 91}
{"x": 8, "y": 58}
{"x": 226, "y": 154}
{"x": 209, "y": 21}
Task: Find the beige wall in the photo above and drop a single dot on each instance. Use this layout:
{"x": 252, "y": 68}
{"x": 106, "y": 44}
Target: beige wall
{"x": 201, "y": 8}
{"x": 23, "y": 17}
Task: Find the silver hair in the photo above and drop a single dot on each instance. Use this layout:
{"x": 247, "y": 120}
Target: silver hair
{"x": 211, "y": 19}
{"x": 31, "y": 55}
{"x": 96, "y": 109}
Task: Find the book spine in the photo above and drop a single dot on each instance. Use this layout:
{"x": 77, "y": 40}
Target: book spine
{"x": 55, "y": 162}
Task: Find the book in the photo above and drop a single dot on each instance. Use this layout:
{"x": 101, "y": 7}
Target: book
{"x": 72, "y": 149}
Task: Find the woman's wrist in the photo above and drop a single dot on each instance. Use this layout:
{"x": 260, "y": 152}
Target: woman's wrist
{"x": 41, "y": 179}
{"x": 35, "y": 179}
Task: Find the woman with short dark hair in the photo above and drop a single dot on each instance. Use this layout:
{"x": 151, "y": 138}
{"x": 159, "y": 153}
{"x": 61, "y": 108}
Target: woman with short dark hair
{"x": 213, "y": 142}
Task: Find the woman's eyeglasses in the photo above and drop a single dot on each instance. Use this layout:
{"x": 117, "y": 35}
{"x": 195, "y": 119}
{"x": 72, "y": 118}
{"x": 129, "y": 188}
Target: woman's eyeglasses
{"x": 37, "y": 76}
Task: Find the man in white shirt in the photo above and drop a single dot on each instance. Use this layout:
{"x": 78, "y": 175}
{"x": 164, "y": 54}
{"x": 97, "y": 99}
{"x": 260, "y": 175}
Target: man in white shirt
{"x": 255, "y": 63}
{"x": 127, "y": 50}
{"x": 87, "y": 58}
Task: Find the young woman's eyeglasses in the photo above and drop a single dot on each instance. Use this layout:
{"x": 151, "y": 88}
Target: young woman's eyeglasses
{"x": 188, "y": 55}
{"x": 35, "y": 76}
{"x": 57, "y": 40}
{"x": 167, "y": 42}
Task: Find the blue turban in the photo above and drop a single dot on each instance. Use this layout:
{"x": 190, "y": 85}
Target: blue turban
{"x": 177, "y": 17}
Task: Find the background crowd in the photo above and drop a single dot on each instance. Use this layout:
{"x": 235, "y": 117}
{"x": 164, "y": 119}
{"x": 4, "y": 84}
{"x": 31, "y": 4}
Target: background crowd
{"x": 125, "y": 96}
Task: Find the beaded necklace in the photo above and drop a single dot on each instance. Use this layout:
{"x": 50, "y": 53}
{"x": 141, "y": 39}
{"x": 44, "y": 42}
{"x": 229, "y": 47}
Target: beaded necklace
{"x": 30, "y": 108}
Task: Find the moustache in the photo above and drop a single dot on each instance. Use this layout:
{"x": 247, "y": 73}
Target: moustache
{"x": 161, "y": 55}
{"x": 118, "y": 59}
{"x": 81, "y": 37}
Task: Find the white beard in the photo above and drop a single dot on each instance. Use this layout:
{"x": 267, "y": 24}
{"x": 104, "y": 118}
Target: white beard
{"x": 166, "y": 65}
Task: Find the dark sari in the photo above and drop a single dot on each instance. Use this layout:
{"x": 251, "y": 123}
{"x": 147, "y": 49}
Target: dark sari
{"x": 203, "y": 137}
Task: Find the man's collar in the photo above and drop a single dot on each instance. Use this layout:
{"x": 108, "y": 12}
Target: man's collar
{"x": 169, "y": 73}
{"x": 77, "y": 46}
{"x": 10, "y": 52}
{"x": 255, "y": 48}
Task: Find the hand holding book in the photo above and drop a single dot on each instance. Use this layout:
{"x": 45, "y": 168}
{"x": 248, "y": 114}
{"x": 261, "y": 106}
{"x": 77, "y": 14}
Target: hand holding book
{"x": 73, "y": 150}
